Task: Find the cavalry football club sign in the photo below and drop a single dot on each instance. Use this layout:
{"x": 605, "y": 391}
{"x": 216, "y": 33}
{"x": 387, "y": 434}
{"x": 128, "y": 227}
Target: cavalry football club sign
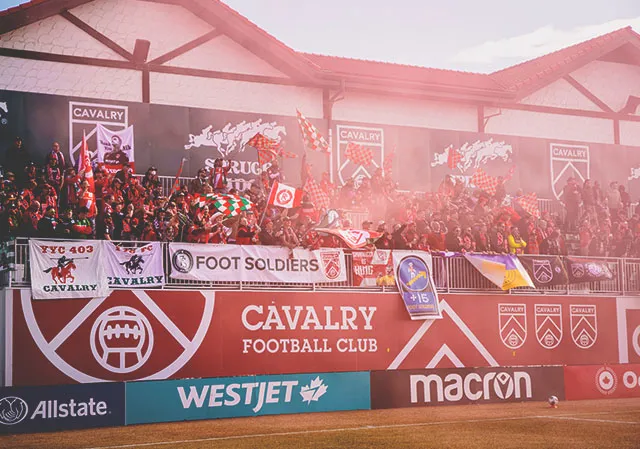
{"x": 85, "y": 118}
{"x": 548, "y": 325}
{"x": 584, "y": 325}
{"x": 512, "y": 319}
{"x": 369, "y": 138}
{"x": 568, "y": 161}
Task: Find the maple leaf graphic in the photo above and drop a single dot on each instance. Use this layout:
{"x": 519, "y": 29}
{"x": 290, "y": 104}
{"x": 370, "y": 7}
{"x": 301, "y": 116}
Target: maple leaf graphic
{"x": 314, "y": 391}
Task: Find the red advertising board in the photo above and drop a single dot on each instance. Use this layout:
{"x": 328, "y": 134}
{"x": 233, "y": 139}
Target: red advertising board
{"x": 602, "y": 382}
{"x": 158, "y": 334}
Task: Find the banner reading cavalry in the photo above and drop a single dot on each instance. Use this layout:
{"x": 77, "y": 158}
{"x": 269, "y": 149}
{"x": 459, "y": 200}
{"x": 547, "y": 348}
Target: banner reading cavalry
{"x": 256, "y": 263}
{"x": 170, "y": 334}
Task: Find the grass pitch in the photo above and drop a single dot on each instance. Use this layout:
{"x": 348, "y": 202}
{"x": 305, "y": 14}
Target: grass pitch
{"x": 579, "y": 424}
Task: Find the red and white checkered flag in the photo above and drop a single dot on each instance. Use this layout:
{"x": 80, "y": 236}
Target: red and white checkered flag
{"x": 358, "y": 154}
{"x": 318, "y": 197}
{"x": 484, "y": 181}
{"x": 312, "y": 138}
{"x": 529, "y": 203}
{"x": 267, "y": 148}
{"x": 453, "y": 158}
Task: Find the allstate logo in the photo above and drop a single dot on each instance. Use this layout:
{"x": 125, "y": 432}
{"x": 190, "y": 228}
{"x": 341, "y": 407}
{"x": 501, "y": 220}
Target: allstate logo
{"x": 182, "y": 261}
{"x": 12, "y": 410}
{"x": 121, "y": 339}
{"x": 413, "y": 274}
{"x": 606, "y": 380}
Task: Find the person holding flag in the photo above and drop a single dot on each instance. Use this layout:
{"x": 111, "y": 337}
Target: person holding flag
{"x": 86, "y": 196}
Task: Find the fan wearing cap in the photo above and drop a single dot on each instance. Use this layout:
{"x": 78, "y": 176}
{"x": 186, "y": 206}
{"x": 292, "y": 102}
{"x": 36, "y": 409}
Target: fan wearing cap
{"x": 82, "y": 228}
{"x": 266, "y": 235}
{"x": 53, "y": 174}
{"x": 198, "y": 184}
{"x": 151, "y": 181}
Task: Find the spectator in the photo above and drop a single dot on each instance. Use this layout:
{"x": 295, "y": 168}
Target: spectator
{"x": 17, "y": 159}
{"x": 47, "y": 224}
{"x": 516, "y": 243}
{"x": 82, "y": 228}
{"x": 56, "y": 154}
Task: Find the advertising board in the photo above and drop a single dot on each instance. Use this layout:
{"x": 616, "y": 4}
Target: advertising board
{"x": 602, "y": 381}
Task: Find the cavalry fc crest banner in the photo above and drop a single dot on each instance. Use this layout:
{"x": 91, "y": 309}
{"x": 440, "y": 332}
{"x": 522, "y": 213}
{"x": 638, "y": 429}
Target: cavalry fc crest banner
{"x": 134, "y": 267}
{"x": 254, "y": 263}
{"x": 67, "y": 269}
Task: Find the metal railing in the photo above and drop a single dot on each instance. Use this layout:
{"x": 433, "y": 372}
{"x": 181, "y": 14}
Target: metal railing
{"x": 453, "y": 274}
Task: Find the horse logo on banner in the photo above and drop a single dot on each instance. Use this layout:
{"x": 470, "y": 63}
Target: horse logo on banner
{"x": 473, "y": 155}
{"x": 548, "y": 325}
{"x": 584, "y": 325}
{"x": 513, "y": 324}
{"x": 371, "y": 139}
{"x": 568, "y": 161}
{"x": 134, "y": 264}
{"x": 62, "y": 271}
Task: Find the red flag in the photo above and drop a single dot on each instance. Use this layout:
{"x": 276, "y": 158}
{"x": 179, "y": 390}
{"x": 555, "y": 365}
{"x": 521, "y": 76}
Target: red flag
{"x": 176, "y": 182}
{"x": 311, "y": 137}
{"x": 485, "y": 182}
{"x": 85, "y": 171}
{"x": 267, "y": 148}
{"x": 387, "y": 164}
{"x": 358, "y": 154}
{"x": 318, "y": 197}
{"x": 285, "y": 196}
{"x": 529, "y": 203}
{"x": 453, "y": 158}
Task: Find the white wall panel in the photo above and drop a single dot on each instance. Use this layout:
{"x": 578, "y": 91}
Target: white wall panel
{"x": 610, "y": 81}
{"x": 630, "y": 133}
{"x": 57, "y": 78}
{"x": 123, "y": 21}
{"x": 57, "y": 35}
{"x": 234, "y": 95}
{"x": 560, "y": 94}
{"x": 556, "y": 126}
{"x": 405, "y": 112}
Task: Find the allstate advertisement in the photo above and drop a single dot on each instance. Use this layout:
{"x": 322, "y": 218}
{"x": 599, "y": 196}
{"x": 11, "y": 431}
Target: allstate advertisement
{"x": 43, "y": 409}
{"x": 191, "y": 399}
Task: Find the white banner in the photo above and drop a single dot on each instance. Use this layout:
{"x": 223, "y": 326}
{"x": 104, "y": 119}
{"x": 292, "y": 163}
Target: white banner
{"x": 134, "y": 267}
{"x": 67, "y": 269}
{"x": 256, "y": 263}
{"x": 115, "y": 148}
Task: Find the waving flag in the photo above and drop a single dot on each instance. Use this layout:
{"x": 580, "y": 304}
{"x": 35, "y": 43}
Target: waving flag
{"x": 387, "y": 164}
{"x": 358, "y": 154}
{"x": 504, "y": 270}
{"x": 176, "y": 181}
{"x": 229, "y": 205}
{"x": 285, "y": 196}
{"x": 529, "y": 203}
{"x": 453, "y": 158}
{"x": 85, "y": 171}
{"x": 312, "y": 138}
{"x": 485, "y": 182}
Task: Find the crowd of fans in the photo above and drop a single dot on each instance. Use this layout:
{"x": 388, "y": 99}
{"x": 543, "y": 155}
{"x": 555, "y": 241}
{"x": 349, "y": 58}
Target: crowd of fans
{"x": 53, "y": 201}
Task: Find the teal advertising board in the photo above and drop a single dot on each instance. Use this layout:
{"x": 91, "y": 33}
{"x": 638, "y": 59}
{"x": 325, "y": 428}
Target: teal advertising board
{"x": 228, "y": 397}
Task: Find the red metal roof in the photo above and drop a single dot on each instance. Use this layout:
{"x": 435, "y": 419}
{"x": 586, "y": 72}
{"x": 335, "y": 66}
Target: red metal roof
{"x": 402, "y": 72}
{"x": 553, "y": 65}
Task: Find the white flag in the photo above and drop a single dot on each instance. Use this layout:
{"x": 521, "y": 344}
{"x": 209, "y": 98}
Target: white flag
{"x": 134, "y": 267}
{"x": 285, "y": 196}
{"x": 115, "y": 148}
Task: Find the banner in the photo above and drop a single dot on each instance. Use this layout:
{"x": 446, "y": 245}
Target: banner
{"x": 253, "y": 263}
{"x": 354, "y": 238}
{"x": 134, "y": 267}
{"x": 48, "y": 409}
{"x": 7, "y": 255}
{"x": 180, "y": 334}
{"x": 230, "y": 397}
{"x": 602, "y": 382}
{"x": 545, "y": 271}
{"x": 115, "y": 148}
{"x": 369, "y": 266}
{"x": 72, "y": 269}
{"x": 457, "y": 386}
{"x": 414, "y": 281}
{"x": 586, "y": 270}
{"x": 504, "y": 270}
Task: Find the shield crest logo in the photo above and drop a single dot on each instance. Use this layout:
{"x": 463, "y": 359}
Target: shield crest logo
{"x": 577, "y": 269}
{"x": 568, "y": 161}
{"x": 331, "y": 265}
{"x": 542, "y": 271}
{"x": 584, "y": 325}
{"x": 548, "y": 325}
{"x": 512, "y": 319}
{"x": 370, "y": 138}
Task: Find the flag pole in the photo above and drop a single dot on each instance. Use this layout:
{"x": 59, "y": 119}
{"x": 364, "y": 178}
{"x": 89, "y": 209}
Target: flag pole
{"x": 266, "y": 206}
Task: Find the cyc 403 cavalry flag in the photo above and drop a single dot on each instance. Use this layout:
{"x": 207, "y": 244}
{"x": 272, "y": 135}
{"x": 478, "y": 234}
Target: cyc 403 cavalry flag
{"x": 285, "y": 196}
{"x": 134, "y": 267}
{"x": 67, "y": 269}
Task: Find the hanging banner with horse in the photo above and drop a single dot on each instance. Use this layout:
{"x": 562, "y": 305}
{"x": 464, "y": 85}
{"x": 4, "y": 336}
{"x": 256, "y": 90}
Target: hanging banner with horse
{"x": 134, "y": 267}
{"x": 67, "y": 269}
